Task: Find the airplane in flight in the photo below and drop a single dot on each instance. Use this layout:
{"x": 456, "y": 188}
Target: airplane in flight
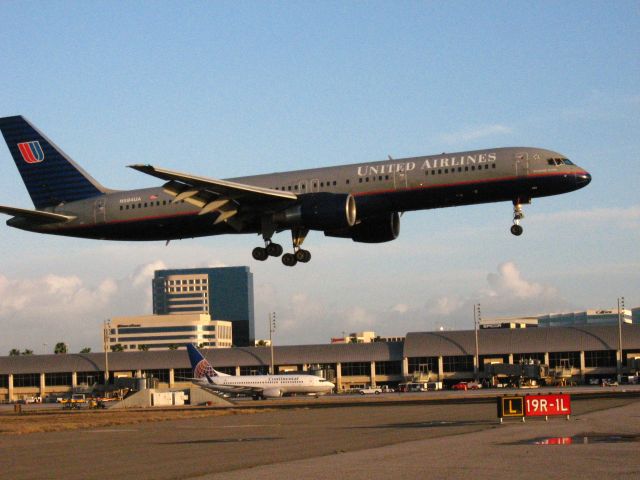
{"x": 361, "y": 201}
{"x": 257, "y": 386}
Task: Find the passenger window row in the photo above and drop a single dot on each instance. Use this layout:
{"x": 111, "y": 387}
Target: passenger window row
{"x": 131, "y": 206}
{"x": 373, "y": 178}
{"x": 473, "y": 168}
{"x": 303, "y": 186}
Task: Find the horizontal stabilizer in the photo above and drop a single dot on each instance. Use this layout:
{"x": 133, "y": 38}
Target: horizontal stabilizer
{"x": 36, "y": 215}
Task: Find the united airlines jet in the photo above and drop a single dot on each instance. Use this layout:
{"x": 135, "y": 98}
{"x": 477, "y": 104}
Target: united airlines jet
{"x": 362, "y": 202}
{"x": 257, "y": 386}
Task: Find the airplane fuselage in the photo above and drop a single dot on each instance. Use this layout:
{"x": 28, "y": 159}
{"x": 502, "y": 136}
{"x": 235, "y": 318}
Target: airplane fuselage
{"x": 394, "y": 185}
{"x": 268, "y": 385}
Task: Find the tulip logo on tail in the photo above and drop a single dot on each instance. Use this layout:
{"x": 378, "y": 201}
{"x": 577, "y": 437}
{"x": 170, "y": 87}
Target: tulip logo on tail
{"x": 31, "y": 152}
{"x": 204, "y": 368}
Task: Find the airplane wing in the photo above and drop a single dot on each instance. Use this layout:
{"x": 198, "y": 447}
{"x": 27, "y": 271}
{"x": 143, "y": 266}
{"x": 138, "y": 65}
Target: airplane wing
{"x": 213, "y": 195}
{"x": 232, "y": 388}
{"x": 36, "y": 216}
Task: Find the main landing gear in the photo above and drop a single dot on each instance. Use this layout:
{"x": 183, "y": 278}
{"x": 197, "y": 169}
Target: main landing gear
{"x": 518, "y": 214}
{"x": 270, "y": 250}
{"x": 275, "y": 250}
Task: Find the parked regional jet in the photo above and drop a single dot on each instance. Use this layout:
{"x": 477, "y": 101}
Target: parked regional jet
{"x": 258, "y": 386}
{"x": 359, "y": 201}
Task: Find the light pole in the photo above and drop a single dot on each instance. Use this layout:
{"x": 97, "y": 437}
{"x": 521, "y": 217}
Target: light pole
{"x": 620, "y": 313}
{"x": 272, "y": 328}
{"x": 106, "y": 333}
{"x": 476, "y": 323}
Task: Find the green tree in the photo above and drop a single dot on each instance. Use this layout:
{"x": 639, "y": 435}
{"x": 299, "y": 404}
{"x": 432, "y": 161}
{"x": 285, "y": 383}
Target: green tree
{"x": 14, "y": 352}
{"x": 143, "y": 348}
{"x": 117, "y": 348}
{"x": 27, "y": 351}
{"x": 86, "y": 350}
{"x": 61, "y": 347}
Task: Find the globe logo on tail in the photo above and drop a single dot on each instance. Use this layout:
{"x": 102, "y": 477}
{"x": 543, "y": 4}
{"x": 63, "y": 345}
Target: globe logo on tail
{"x": 204, "y": 368}
{"x": 31, "y": 152}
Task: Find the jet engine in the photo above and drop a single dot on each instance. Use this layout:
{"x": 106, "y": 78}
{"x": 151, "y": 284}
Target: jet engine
{"x": 271, "y": 393}
{"x": 320, "y": 211}
{"x": 378, "y": 229}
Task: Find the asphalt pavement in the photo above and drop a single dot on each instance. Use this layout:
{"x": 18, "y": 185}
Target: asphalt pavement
{"x": 373, "y": 440}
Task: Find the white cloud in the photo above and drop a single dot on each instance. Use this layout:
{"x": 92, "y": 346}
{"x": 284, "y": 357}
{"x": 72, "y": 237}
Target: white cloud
{"x": 507, "y": 293}
{"x": 400, "y": 308}
{"x": 67, "y": 308}
{"x": 508, "y": 282}
{"x": 445, "y": 306}
{"x": 358, "y": 318}
{"x": 475, "y": 133}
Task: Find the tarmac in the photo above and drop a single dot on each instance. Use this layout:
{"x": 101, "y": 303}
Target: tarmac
{"x": 597, "y": 445}
{"x": 601, "y": 440}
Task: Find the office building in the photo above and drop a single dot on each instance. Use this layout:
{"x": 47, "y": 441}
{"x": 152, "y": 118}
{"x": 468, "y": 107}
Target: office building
{"x": 224, "y": 293}
{"x": 162, "y": 332}
{"x": 587, "y": 317}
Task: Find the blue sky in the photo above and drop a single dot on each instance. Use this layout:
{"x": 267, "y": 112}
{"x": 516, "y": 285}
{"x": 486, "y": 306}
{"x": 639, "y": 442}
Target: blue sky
{"x": 226, "y": 89}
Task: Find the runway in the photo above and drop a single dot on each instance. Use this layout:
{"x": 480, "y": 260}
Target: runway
{"x": 368, "y": 441}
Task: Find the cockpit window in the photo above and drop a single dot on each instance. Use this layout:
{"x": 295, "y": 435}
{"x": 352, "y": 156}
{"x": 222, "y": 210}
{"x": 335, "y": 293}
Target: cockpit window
{"x": 559, "y": 161}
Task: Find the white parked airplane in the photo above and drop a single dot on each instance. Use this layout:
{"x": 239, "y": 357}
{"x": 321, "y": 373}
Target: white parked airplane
{"x": 258, "y": 386}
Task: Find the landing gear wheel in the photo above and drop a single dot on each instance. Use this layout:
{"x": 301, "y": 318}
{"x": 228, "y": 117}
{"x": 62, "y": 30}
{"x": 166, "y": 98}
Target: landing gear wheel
{"x": 289, "y": 259}
{"x": 518, "y": 214}
{"x": 274, "y": 250}
{"x": 303, "y": 256}
{"x": 260, "y": 254}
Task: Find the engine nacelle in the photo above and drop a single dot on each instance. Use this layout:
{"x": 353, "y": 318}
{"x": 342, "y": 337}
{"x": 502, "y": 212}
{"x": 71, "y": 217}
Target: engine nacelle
{"x": 379, "y": 229}
{"x": 271, "y": 393}
{"x": 320, "y": 211}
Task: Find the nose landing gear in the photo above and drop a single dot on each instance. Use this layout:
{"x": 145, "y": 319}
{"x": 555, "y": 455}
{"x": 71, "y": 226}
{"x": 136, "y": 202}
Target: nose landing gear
{"x": 518, "y": 214}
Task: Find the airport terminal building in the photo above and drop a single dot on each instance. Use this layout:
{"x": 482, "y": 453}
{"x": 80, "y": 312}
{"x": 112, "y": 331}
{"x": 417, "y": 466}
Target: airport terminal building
{"x": 590, "y": 351}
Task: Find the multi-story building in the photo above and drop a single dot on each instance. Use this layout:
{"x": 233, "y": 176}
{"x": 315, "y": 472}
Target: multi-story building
{"x": 365, "y": 337}
{"x": 509, "y": 322}
{"x": 586, "y": 317}
{"x": 224, "y": 293}
{"x": 154, "y": 332}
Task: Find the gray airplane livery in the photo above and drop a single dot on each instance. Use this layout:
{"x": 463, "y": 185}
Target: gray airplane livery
{"x": 362, "y": 201}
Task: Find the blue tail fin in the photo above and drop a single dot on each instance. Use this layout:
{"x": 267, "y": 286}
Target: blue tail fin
{"x": 200, "y": 365}
{"x": 50, "y": 175}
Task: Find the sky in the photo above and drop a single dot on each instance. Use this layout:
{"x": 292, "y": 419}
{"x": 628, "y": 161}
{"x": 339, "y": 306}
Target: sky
{"x": 227, "y": 89}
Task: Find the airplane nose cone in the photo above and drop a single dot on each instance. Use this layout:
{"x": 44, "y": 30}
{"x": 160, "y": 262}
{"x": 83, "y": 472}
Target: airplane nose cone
{"x": 583, "y": 179}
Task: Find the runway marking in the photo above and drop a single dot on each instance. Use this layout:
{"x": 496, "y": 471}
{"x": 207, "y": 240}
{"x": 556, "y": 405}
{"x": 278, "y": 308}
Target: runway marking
{"x": 249, "y": 426}
{"x": 110, "y": 430}
{"x": 233, "y": 426}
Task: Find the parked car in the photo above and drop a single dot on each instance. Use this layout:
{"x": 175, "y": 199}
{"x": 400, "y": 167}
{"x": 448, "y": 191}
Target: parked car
{"x": 365, "y": 391}
{"x": 375, "y": 390}
{"x": 467, "y": 386}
